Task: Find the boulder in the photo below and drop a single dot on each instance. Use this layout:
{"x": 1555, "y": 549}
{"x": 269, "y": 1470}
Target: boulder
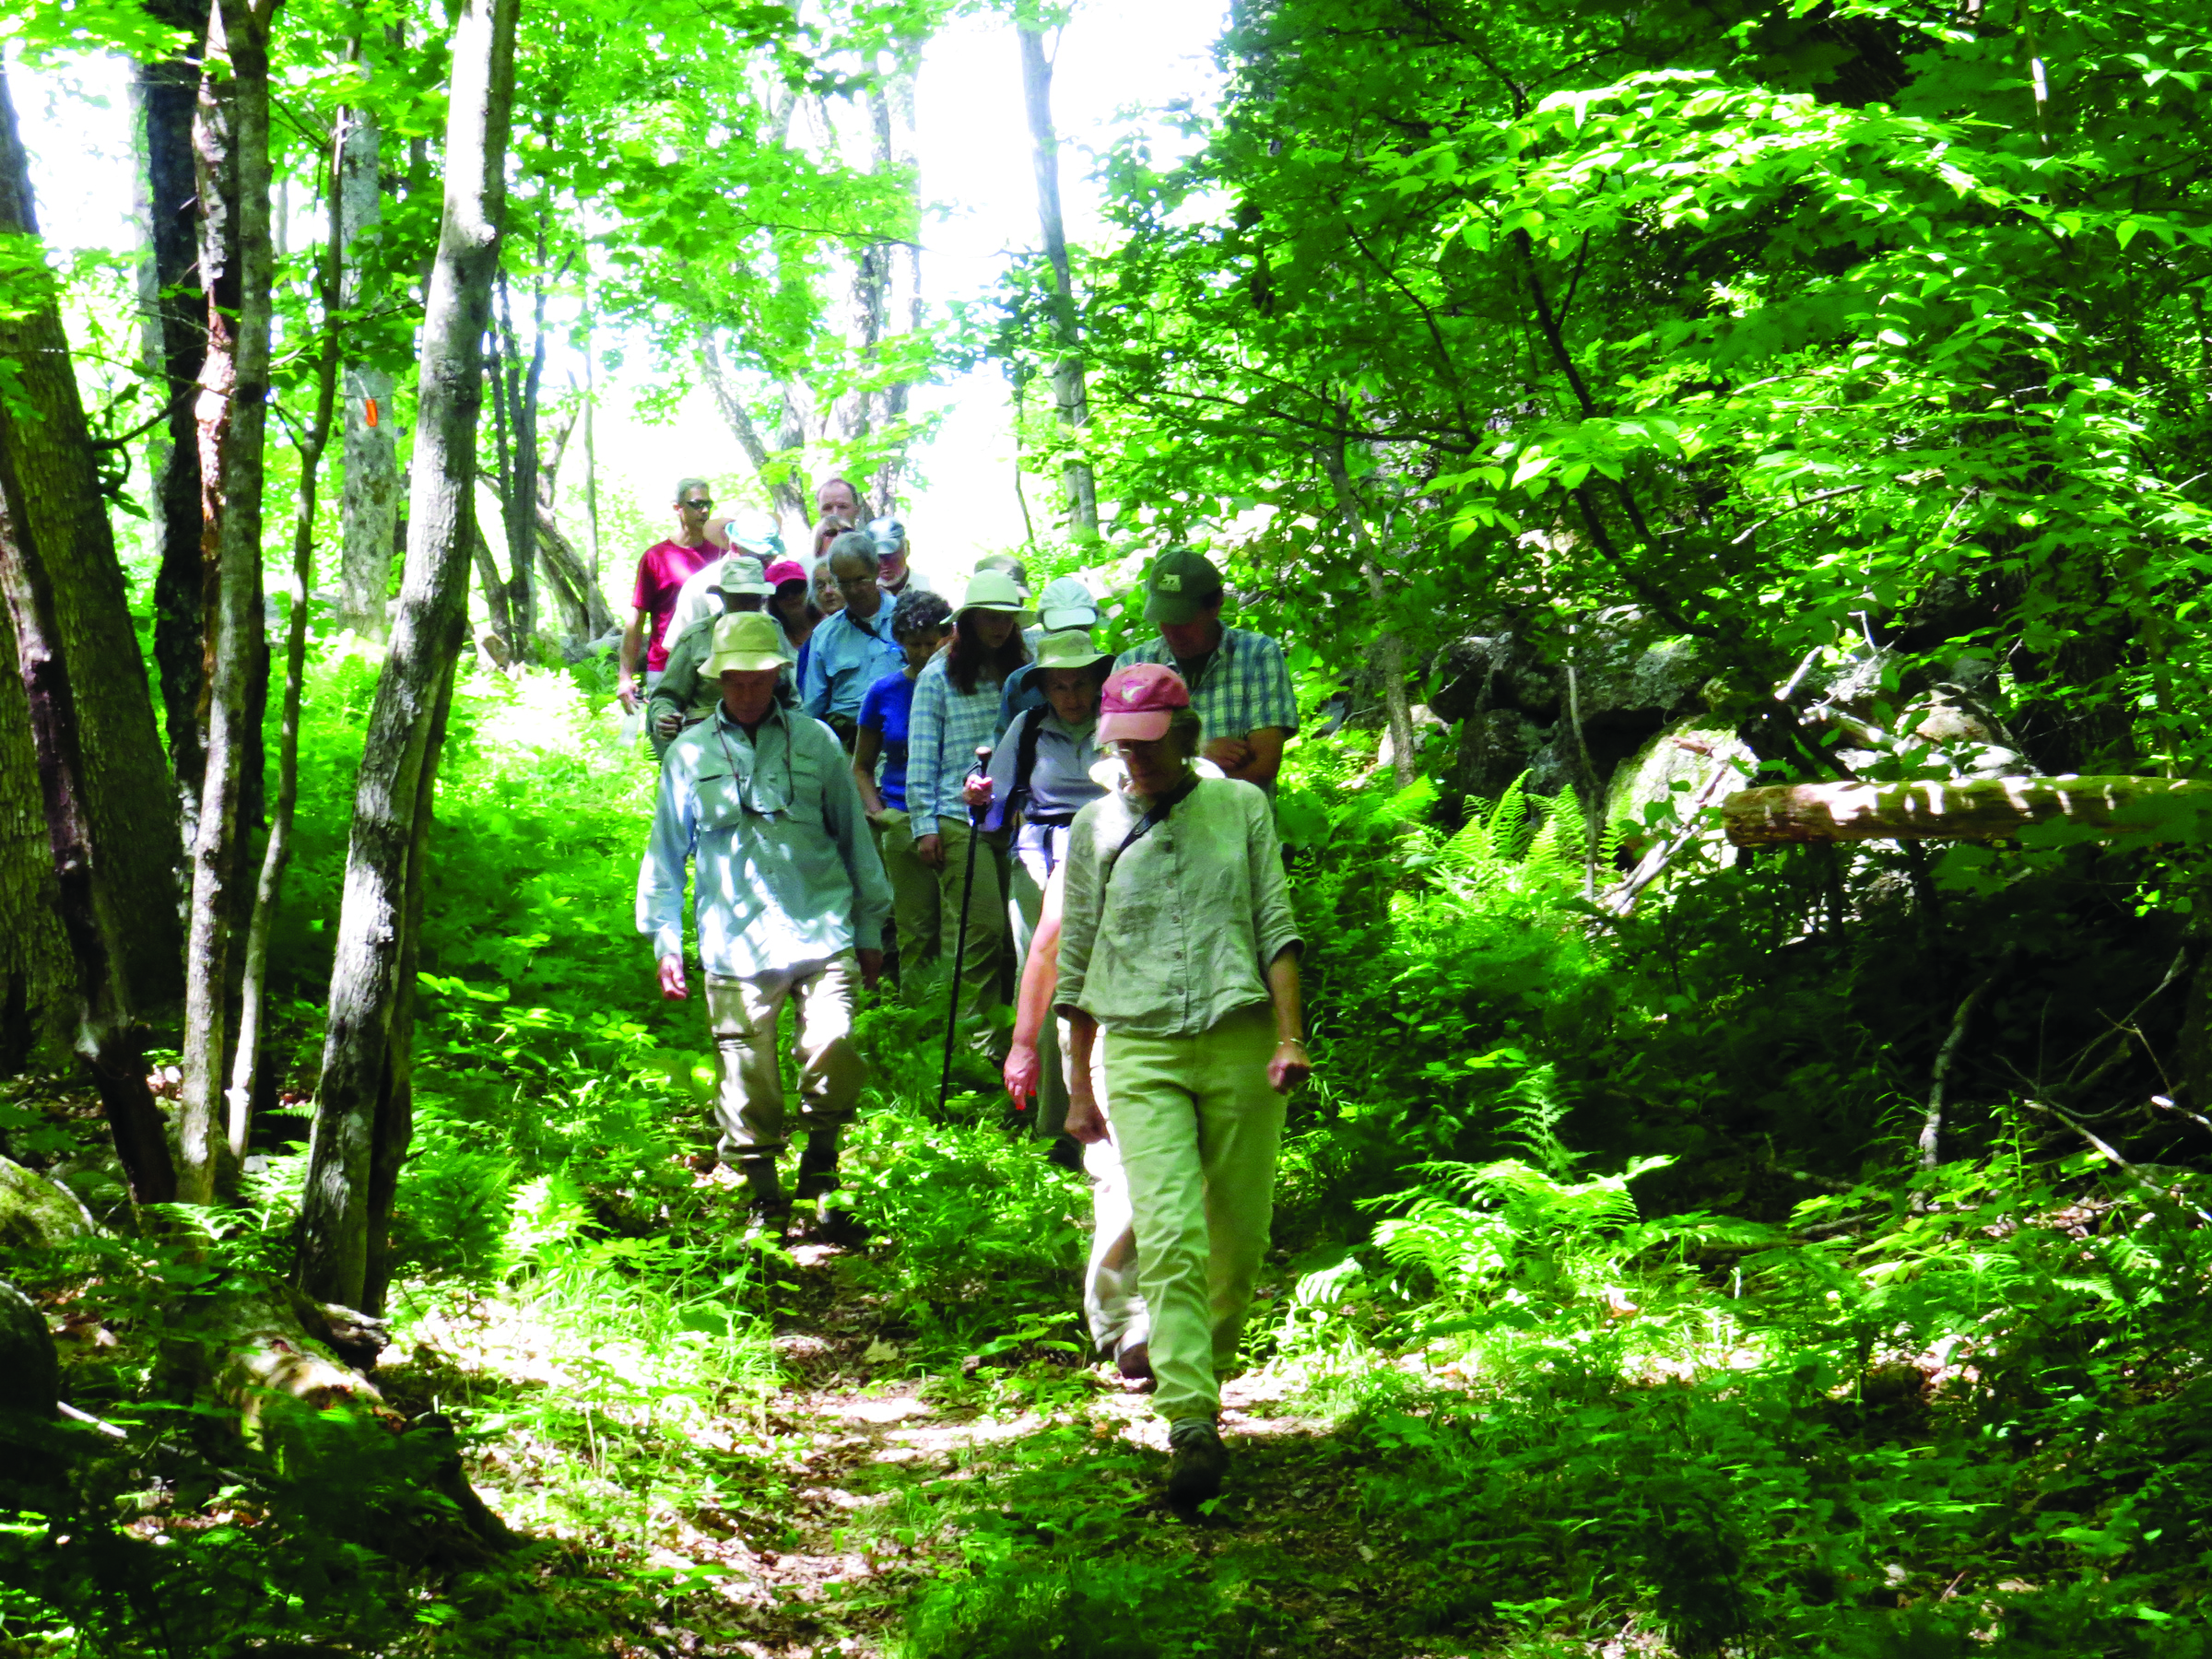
{"x": 1672, "y": 767}
{"x": 1510, "y": 693}
{"x": 37, "y": 1214}
{"x": 1493, "y": 751}
{"x": 1620, "y": 673}
{"x": 30, "y": 1371}
{"x": 1500, "y": 669}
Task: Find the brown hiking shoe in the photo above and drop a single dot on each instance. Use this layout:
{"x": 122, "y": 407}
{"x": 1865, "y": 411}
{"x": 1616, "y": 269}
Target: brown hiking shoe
{"x": 1197, "y": 1463}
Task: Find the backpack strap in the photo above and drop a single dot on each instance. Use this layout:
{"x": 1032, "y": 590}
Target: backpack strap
{"x": 1156, "y": 814}
{"x": 1025, "y": 762}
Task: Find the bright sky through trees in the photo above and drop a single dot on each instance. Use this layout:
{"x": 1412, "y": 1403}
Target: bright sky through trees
{"x": 1124, "y": 60}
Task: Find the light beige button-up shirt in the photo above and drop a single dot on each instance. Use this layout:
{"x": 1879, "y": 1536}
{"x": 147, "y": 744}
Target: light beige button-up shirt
{"x": 1179, "y": 933}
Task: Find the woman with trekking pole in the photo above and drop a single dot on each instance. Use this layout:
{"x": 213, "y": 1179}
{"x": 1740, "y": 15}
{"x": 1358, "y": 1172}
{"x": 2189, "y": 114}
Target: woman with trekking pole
{"x": 1178, "y": 964}
{"x": 954, "y": 713}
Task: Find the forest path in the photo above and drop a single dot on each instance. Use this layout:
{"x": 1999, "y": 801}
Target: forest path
{"x": 897, "y": 1471}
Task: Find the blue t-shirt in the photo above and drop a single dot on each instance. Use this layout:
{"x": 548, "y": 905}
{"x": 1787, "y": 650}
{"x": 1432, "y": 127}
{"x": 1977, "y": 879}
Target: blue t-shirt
{"x": 884, "y": 708}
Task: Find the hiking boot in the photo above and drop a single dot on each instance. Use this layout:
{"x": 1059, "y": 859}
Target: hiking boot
{"x": 767, "y": 1208}
{"x": 1197, "y": 1460}
{"x": 1135, "y": 1362}
{"x": 843, "y": 1228}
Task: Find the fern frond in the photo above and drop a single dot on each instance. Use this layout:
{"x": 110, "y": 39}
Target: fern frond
{"x": 1470, "y": 847}
{"x": 1509, "y": 822}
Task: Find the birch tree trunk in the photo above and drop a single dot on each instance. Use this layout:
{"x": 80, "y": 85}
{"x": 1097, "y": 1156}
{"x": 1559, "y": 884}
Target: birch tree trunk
{"x": 369, "y": 505}
{"x": 232, "y": 139}
{"x": 518, "y": 500}
{"x": 1070, "y": 401}
{"x": 792, "y": 508}
{"x": 269, "y": 890}
{"x": 1390, "y": 644}
{"x": 898, "y": 264}
{"x": 359, "y": 1107}
{"x": 571, "y": 580}
{"x": 51, "y": 518}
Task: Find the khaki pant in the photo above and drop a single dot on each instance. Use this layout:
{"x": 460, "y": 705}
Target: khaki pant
{"x": 742, "y": 1014}
{"x": 1198, "y": 1129}
{"x": 987, "y": 918}
{"x": 913, "y": 891}
{"x": 1025, "y": 902}
{"x": 1114, "y": 1301}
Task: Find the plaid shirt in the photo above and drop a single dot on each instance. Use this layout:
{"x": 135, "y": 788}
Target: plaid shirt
{"x": 942, "y": 732}
{"x": 1243, "y": 687}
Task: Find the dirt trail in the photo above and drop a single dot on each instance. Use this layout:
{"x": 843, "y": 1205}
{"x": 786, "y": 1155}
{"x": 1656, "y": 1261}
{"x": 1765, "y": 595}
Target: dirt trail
{"x": 881, "y": 1449}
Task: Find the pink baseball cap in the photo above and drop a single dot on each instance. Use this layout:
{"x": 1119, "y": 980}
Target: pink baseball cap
{"x": 1138, "y": 701}
{"x": 786, "y": 570}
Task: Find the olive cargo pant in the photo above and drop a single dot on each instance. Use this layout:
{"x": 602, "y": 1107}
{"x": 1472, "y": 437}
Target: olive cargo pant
{"x": 743, "y": 1013}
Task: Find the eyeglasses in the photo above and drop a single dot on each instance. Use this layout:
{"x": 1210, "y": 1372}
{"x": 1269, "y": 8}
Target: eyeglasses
{"x": 705, "y": 506}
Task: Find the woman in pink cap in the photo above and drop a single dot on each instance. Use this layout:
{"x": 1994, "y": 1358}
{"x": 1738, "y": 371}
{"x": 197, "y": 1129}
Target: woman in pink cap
{"x": 794, "y": 604}
{"x": 1178, "y": 981}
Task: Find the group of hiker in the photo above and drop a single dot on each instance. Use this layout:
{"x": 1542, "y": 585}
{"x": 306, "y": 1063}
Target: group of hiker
{"x": 850, "y": 761}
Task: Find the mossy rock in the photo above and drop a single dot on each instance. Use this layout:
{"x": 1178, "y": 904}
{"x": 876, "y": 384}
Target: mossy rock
{"x": 37, "y": 1214}
{"x": 30, "y": 1371}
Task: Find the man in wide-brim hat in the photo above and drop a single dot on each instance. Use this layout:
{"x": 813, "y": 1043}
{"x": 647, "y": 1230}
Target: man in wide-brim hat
{"x": 791, "y": 900}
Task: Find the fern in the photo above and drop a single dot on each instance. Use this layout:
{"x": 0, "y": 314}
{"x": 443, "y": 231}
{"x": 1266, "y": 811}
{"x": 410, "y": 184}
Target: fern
{"x": 1509, "y": 822}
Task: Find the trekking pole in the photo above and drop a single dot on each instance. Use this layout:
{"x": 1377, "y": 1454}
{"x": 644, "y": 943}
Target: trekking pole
{"x": 960, "y": 947}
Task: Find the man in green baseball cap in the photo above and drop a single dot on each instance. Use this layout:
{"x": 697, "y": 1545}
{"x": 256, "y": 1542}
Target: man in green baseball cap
{"x": 1240, "y": 684}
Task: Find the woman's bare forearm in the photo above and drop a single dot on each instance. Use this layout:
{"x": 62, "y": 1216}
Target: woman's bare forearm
{"x": 1283, "y": 991}
{"x": 1082, "y": 1037}
{"x": 1040, "y": 979}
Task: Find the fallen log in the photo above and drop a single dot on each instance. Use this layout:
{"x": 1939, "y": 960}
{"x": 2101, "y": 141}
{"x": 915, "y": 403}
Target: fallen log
{"x": 1968, "y": 810}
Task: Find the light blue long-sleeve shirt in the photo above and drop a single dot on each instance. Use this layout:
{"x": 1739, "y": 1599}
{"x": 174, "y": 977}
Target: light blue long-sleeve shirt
{"x": 942, "y": 732}
{"x": 786, "y": 872}
{"x": 847, "y": 657}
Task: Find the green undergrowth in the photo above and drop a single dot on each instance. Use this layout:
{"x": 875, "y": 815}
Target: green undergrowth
{"x": 1607, "y": 1306}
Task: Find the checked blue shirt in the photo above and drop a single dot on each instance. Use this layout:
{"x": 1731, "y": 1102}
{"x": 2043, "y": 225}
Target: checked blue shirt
{"x": 942, "y": 732}
{"x": 847, "y": 657}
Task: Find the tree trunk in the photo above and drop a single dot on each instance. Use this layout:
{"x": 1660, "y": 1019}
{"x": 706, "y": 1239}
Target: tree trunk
{"x": 51, "y": 518}
{"x": 394, "y": 1124}
{"x": 126, "y": 796}
{"x": 38, "y": 984}
{"x": 584, "y": 608}
{"x": 369, "y": 505}
{"x": 232, "y": 141}
{"x": 341, "y": 1217}
{"x": 793, "y": 510}
{"x": 177, "y": 339}
{"x": 499, "y": 618}
{"x": 269, "y": 890}
{"x": 1964, "y": 809}
{"x": 1070, "y": 399}
{"x": 891, "y": 110}
{"x": 519, "y": 500}
{"x": 1390, "y": 644}
{"x": 569, "y": 581}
